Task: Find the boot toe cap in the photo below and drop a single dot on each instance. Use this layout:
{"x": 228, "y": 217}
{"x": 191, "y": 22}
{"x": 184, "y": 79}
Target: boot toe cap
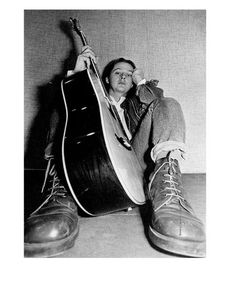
{"x": 179, "y": 226}
{"x": 44, "y": 229}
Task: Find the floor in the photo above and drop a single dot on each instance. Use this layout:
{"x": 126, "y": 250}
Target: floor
{"x": 118, "y": 235}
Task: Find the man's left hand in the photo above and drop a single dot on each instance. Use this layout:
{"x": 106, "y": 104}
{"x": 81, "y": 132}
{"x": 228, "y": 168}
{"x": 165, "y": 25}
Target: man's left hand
{"x": 137, "y": 76}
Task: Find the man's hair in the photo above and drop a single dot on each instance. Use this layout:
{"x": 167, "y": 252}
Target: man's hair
{"x": 109, "y": 67}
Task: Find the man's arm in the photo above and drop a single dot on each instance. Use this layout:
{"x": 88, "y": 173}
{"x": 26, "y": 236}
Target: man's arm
{"x": 147, "y": 91}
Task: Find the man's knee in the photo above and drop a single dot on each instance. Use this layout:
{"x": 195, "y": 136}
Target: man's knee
{"x": 166, "y": 104}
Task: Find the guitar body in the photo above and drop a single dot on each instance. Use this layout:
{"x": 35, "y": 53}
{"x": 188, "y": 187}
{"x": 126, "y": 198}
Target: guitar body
{"x": 103, "y": 174}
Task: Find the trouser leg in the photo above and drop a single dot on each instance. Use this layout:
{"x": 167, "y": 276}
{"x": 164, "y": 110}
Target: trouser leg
{"x": 161, "y": 130}
{"x": 50, "y": 142}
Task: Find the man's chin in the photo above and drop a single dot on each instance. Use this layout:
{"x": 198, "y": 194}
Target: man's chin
{"x": 122, "y": 88}
{"x": 123, "y": 92}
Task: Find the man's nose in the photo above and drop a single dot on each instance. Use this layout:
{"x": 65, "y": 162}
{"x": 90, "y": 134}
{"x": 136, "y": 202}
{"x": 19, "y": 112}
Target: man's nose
{"x": 122, "y": 75}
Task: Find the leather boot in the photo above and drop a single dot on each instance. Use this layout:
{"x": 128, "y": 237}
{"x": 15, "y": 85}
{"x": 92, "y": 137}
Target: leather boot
{"x": 174, "y": 227}
{"x": 53, "y": 227}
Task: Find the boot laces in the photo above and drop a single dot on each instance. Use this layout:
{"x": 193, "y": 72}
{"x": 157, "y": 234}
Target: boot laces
{"x": 171, "y": 189}
{"x": 56, "y": 189}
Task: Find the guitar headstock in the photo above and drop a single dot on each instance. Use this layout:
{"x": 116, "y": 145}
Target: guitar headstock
{"x": 75, "y": 24}
{"x": 77, "y": 28}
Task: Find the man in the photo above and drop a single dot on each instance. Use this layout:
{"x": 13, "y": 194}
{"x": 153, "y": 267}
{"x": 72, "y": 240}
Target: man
{"x": 156, "y": 128}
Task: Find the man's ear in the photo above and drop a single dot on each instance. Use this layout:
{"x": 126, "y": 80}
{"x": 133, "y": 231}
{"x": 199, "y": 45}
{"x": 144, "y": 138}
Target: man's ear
{"x": 107, "y": 80}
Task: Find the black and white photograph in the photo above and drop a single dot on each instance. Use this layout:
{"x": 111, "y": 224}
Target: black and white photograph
{"x": 115, "y": 133}
{"x": 118, "y": 143}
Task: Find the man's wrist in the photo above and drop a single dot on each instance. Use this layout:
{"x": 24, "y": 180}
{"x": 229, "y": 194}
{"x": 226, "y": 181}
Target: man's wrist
{"x": 70, "y": 73}
{"x": 142, "y": 82}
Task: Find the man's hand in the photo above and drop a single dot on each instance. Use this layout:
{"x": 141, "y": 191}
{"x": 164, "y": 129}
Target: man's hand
{"x": 83, "y": 59}
{"x": 137, "y": 76}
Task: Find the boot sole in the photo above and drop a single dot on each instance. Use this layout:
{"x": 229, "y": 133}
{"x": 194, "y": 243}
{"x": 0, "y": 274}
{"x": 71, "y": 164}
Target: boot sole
{"x": 49, "y": 249}
{"x": 176, "y": 246}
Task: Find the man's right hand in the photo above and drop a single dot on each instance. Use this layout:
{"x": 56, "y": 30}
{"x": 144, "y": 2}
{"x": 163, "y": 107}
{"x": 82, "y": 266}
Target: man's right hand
{"x": 83, "y": 59}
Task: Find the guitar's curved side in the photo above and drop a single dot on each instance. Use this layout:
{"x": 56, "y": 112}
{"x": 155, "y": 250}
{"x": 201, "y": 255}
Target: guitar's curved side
{"x": 125, "y": 163}
{"x": 102, "y": 175}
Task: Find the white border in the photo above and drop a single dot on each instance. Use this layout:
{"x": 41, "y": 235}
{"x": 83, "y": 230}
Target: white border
{"x": 213, "y": 273}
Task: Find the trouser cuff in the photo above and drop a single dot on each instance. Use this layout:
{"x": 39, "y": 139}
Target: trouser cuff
{"x": 160, "y": 150}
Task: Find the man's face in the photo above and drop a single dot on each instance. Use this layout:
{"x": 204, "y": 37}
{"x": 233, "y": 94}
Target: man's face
{"x": 120, "y": 79}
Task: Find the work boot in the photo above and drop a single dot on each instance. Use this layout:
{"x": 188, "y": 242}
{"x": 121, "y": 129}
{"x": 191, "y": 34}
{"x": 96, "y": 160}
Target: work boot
{"x": 174, "y": 227}
{"x": 53, "y": 227}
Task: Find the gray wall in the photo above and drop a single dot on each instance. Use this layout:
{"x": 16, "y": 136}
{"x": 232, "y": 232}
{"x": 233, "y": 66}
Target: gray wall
{"x": 168, "y": 45}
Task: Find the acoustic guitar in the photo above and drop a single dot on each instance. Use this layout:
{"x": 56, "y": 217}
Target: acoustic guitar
{"x": 101, "y": 169}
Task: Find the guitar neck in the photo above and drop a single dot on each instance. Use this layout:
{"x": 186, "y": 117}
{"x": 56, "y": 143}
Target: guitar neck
{"x": 85, "y": 42}
{"x": 94, "y": 68}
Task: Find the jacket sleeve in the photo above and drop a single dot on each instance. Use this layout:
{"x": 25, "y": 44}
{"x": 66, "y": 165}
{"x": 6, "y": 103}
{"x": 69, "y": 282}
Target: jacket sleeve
{"x": 149, "y": 91}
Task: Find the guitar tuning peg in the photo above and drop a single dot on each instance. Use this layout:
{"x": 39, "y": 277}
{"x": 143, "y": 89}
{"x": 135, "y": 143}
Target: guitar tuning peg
{"x": 75, "y": 23}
